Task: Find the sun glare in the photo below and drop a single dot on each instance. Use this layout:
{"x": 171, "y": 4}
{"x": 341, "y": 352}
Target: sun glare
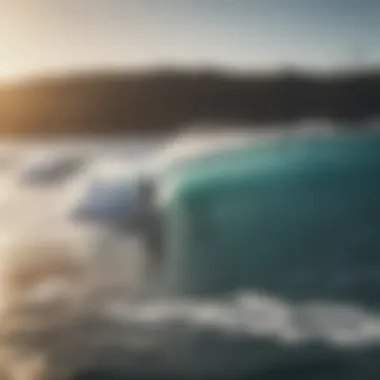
{"x": 6, "y": 74}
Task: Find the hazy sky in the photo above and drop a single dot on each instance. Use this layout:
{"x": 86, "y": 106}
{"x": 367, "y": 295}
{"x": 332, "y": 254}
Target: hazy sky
{"x": 38, "y": 36}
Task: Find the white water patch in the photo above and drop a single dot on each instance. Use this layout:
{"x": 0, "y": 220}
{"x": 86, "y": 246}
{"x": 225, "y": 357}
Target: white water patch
{"x": 259, "y": 316}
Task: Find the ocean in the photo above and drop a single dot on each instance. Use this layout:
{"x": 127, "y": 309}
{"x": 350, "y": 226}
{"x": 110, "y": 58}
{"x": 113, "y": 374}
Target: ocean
{"x": 121, "y": 333}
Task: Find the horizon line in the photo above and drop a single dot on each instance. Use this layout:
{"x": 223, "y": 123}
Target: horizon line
{"x": 185, "y": 69}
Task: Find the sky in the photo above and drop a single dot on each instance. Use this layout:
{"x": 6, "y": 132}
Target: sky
{"x": 39, "y": 37}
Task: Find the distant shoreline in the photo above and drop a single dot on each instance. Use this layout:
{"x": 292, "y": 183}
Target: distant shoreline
{"x": 162, "y": 103}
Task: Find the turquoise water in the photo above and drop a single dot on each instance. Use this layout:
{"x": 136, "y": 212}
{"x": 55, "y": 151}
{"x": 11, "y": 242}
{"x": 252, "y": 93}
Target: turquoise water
{"x": 279, "y": 218}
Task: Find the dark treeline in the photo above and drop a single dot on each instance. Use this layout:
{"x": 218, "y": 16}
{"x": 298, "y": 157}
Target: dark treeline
{"x": 167, "y": 100}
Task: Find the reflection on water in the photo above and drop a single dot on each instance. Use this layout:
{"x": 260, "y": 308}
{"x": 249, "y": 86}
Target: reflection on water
{"x": 104, "y": 323}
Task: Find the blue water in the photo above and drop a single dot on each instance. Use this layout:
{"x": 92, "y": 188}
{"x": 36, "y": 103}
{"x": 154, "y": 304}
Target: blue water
{"x": 243, "y": 335}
